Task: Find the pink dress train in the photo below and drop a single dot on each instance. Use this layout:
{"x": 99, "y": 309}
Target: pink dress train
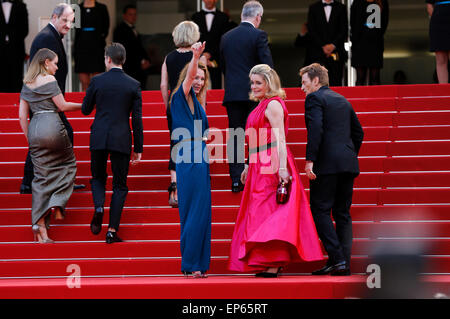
{"x": 267, "y": 234}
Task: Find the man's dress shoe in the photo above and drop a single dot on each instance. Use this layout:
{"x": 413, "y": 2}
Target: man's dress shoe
{"x": 339, "y": 269}
{"x": 97, "y": 219}
{"x": 237, "y": 187}
{"x": 25, "y": 189}
{"x": 111, "y": 237}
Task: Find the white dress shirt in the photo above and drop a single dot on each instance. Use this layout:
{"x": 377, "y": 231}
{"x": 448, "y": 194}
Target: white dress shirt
{"x": 327, "y": 10}
{"x": 6, "y": 6}
{"x": 209, "y": 18}
{"x": 7, "y": 10}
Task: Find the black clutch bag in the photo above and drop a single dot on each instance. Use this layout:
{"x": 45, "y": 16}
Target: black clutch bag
{"x": 283, "y": 192}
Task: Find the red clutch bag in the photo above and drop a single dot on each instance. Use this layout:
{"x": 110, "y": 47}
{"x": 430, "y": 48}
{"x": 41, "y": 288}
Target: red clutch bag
{"x": 282, "y": 192}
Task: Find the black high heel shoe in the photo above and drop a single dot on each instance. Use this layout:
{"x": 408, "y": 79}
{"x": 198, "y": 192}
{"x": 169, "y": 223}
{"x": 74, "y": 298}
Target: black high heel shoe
{"x": 266, "y": 274}
{"x": 172, "y": 189}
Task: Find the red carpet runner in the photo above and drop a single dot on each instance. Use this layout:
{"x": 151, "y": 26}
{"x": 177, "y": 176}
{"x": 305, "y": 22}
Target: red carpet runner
{"x": 401, "y": 199}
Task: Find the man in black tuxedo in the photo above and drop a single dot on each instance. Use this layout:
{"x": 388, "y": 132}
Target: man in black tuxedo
{"x": 334, "y": 139}
{"x": 13, "y": 31}
{"x": 327, "y": 30}
{"x": 115, "y": 95}
{"x": 241, "y": 49}
{"x": 126, "y": 34}
{"x": 51, "y": 37}
{"x": 213, "y": 24}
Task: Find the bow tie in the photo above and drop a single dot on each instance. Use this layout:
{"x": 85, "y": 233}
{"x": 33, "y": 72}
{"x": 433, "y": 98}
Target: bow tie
{"x": 327, "y": 4}
{"x": 208, "y": 12}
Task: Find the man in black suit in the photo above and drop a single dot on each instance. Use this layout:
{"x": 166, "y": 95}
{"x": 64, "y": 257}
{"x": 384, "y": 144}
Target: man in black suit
{"x": 241, "y": 49}
{"x": 334, "y": 139}
{"x": 327, "y": 30}
{"x": 13, "y": 31}
{"x": 115, "y": 95}
{"x": 51, "y": 37}
{"x": 213, "y": 24}
{"x": 137, "y": 59}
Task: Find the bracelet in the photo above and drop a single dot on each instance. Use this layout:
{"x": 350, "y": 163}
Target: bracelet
{"x": 282, "y": 169}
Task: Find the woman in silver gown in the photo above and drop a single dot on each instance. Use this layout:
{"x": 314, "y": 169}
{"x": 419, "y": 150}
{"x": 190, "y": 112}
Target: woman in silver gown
{"x": 50, "y": 147}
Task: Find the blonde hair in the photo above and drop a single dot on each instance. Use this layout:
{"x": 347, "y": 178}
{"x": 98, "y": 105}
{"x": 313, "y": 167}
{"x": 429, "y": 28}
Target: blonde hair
{"x": 202, "y": 94}
{"x": 316, "y": 70}
{"x": 272, "y": 79}
{"x": 37, "y": 66}
{"x": 185, "y": 34}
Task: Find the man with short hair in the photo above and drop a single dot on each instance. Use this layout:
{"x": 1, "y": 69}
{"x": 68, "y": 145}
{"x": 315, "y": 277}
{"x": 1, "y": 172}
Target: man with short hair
{"x": 241, "y": 49}
{"x": 115, "y": 95}
{"x": 126, "y": 34}
{"x": 327, "y": 32}
{"x": 334, "y": 138}
{"x": 212, "y": 24}
{"x": 51, "y": 37}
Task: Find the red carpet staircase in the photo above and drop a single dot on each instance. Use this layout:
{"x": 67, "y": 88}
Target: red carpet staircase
{"x": 401, "y": 197}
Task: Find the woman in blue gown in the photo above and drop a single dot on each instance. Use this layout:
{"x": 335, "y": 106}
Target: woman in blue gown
{"x": 190, "y": 154}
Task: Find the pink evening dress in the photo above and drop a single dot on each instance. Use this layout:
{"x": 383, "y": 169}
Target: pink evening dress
{"x": 268, "y": 234}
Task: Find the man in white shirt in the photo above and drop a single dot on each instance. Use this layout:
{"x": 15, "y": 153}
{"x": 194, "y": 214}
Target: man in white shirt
{"x": 212, "y": 24}
{"x": 13, "y": 31}
{"x": 327, "y": 29}
{"x": 137, "y": 63}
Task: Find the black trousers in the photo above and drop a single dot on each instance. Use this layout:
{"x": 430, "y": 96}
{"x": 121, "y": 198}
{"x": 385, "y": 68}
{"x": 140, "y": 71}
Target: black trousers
{"x": 28, "y": 173}
{"x": 13, "y": 67}
{"x": 120, "y": 163}
{"x": 216, "y": 78}
{"x": 335, "y": 71}
{"x": 332, "y": 195}
{"x": 237, "y": 118}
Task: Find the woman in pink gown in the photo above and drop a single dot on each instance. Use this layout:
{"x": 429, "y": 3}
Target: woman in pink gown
{"x": 268, "y": 235}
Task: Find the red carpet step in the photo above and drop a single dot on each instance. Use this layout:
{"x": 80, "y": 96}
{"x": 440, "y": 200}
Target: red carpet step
{"x": 401, "y": 201}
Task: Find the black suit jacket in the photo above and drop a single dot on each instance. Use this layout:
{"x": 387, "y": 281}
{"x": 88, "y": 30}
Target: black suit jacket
{"x": 334, "y": 133}
{"x": 16, "y": 29}
{"x": 115, "y": 95}
{"x": 322, "y": 32}
{"x": 51, "y": 39}
{"x": 240, "y": 50}
{"x": 219, "y": 27}
{"x": 135, "y": 51}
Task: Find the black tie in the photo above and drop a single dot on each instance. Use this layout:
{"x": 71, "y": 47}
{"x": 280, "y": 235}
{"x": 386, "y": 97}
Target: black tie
{"x": 206, "y": 12}
{"x": 327, "y": 4}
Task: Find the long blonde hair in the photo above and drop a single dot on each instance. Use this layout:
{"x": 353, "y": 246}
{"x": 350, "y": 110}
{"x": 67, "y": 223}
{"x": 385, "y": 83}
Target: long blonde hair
{"x": 37, "y": 66}
{"x": 201, "y": 96}
{"x": 272, "y": 79}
